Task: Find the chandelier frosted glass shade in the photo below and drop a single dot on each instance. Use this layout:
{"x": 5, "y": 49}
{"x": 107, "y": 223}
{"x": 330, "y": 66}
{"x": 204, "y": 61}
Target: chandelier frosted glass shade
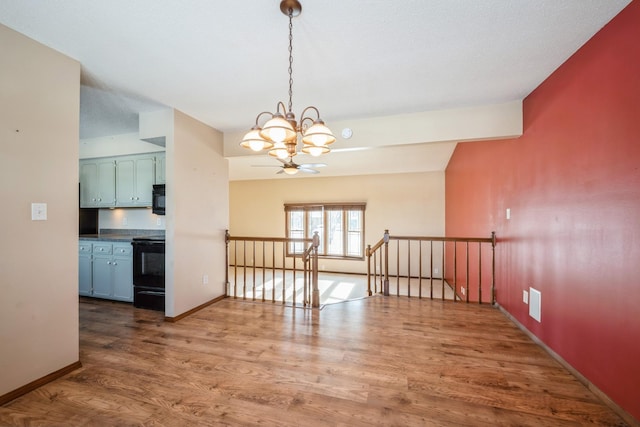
{"x": 253, "y": 141}
{"x": 281, "y": 150}
{"x": 278, "y": 129}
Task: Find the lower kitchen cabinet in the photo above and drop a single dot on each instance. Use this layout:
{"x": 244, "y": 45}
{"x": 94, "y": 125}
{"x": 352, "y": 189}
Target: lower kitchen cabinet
{"x": 122, "y": 275}
{"x": 107, "y": 272}
{"x": 85, "y": 268}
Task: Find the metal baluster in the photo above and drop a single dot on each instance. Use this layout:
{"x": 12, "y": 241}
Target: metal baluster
{"x": 431, "y": 269}
{"x": 420, "y": 269}
{"x": 455, "y": 271}
{"x": 398, "y": 268}
{"x": 273, "y": 272}
{"x": 264, "y": 268}
{"x": 479, "y": 272}
{"x": 442, "y": 271}
{"x": 253, "y": 262}
{"x": 284, "y": 270}
{"x": 244, "y": 269}
{"x": 408, "y": 268}
{"x": 467, "y": 250}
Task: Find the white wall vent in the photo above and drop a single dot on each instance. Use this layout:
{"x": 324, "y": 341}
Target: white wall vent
{"x": 535, "y": 303}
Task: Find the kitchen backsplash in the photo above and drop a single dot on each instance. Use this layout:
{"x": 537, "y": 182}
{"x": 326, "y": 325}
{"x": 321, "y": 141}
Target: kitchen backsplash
{"x": 133, "y": 218}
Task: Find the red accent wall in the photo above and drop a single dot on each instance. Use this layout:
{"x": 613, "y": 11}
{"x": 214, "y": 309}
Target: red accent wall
{"x": 572, "y": 182}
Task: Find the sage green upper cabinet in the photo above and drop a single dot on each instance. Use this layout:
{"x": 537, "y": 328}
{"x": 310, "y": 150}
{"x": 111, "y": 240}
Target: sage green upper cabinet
{"x": 161, "y": 168}
{"x": 134, "y": 181}
{"x": 97, "y": 183}
{"x": 121, "y": 181}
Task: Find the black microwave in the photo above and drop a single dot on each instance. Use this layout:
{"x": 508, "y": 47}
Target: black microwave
{"x": 158, "y": 206}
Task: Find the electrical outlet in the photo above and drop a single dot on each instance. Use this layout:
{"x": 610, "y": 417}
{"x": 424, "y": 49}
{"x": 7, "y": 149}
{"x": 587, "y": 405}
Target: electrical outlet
{"x": 158, "y": 221}
{"x": 525, "y": 297}
{"x": 436, "y": 271}
{"x": 205, "y": 279}
{"x": 125, "y": 221}
{"x": 463, "y": 290}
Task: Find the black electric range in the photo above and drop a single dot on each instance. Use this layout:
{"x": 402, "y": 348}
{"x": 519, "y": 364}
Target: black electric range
{"x": 149, "y": 272}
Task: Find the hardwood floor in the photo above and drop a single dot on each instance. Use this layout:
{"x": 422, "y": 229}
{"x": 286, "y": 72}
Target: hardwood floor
{"x": 373, "y": 361}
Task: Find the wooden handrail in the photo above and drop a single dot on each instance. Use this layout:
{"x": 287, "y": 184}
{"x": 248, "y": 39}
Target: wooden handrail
{"x": 279, "y": 265}
{"x": 458, "y": 271}
{"x": 444, "y": 239}
{"x": 269, "y": 239}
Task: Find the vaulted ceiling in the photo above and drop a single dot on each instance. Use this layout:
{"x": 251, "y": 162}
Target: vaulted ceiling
{"x": 222, "y": 62}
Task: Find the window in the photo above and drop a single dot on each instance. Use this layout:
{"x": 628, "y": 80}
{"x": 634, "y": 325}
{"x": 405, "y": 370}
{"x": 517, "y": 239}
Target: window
{"x": 339, "y": 225}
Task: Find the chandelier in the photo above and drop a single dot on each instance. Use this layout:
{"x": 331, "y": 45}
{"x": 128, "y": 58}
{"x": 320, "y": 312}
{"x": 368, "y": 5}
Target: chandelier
{"x": 280, "y": 132}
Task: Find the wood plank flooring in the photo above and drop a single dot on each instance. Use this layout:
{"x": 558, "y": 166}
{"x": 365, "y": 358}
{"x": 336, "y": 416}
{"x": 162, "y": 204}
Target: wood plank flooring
{"x": 374, "y": 361}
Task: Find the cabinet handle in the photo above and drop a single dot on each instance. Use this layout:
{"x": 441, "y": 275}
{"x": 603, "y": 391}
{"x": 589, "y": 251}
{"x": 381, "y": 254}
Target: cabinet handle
{"x": 101, "y": 249}
{"x": 115, "y": 263}
{"x": 108, "y": 262}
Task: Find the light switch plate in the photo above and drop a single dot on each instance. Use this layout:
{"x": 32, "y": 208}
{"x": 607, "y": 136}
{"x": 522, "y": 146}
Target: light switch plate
{"x": 38, "y": 211}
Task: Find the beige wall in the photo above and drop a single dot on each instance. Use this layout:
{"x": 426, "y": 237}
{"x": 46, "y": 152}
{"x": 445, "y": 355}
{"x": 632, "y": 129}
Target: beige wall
{"x": 406, "y": 204}
{"x": 197, "y": 214}
{"x": 39, "y": 113}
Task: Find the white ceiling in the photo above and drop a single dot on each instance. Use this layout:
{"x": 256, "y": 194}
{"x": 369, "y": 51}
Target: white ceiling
{"x": 222, "y": 62}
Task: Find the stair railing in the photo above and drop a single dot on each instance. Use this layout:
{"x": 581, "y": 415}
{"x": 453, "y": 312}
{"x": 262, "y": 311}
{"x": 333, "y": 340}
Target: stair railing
{"x": 461, "y": 268}
{"x": 270, "y": 268}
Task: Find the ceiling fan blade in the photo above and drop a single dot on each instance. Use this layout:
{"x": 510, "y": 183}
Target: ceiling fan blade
{"x": 313, "y": 165}
{"x": 280, "y": 171}
{"x": 307, "y": 170}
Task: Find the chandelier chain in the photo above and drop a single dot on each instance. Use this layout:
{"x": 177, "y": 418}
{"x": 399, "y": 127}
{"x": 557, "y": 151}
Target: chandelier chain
{"x": 290, "y": 60}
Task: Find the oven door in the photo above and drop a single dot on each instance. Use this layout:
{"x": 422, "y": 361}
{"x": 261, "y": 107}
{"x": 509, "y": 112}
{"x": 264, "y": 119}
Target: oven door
{"x": 148, "y": 264}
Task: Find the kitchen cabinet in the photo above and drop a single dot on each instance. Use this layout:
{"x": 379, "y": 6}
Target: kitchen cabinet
{"x": 121, "y": 181}
{"x": 97, "y": 183}
{"x": 106, "y": 270}
{"x": 122, "y": 272}
{"x": 85, "y": 268}
{"x": 161, "y": 177}
{"x": 135, "y": 177}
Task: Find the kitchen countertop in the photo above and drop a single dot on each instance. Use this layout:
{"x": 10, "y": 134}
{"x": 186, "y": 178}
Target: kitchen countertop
{"x": 116, "y": 235}
{"x": 107, "y": 237}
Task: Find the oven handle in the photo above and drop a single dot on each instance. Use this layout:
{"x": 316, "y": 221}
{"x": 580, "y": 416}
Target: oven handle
{"x": 151, "y": 293}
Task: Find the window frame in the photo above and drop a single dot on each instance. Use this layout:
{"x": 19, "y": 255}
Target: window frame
{"x": 326, "y": 208}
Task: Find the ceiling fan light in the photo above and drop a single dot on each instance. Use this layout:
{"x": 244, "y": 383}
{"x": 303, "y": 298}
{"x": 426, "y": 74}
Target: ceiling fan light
{"x": 289, "y": 170}
{"x": 318, "y": 134}
{"x": 315, "y": 150}
{"x": 278, "y": 129}
{"x": 253, "y": 141}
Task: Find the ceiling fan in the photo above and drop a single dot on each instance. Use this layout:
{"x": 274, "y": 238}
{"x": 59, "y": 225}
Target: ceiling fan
{"x": 291, "y": 168}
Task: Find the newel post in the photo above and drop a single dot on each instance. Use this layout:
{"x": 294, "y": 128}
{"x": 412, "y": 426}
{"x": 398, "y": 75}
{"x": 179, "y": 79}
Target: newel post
{"x": 226, "y": 263}
{"x": 369, "y": 270}
{"x": 493, "y": 268}
{"x": 385, "y": 288}
{"x": 315, "y": 291}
